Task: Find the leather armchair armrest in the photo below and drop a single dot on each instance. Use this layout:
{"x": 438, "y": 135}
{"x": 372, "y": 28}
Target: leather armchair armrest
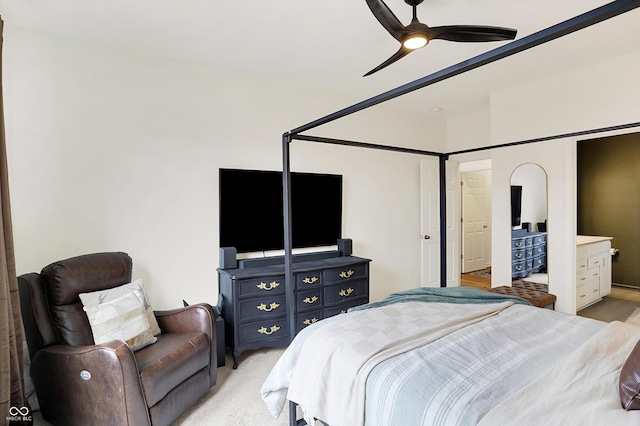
{"x": 194, "y": 318}
{"x": 76, "y": 385}
{"x": 200, "y": 317}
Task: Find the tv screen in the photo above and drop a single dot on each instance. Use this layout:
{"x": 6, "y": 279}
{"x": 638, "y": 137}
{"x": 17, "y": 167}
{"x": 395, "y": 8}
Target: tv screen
{"x": 251, "y": 209}
{"x": 516, "y": 205}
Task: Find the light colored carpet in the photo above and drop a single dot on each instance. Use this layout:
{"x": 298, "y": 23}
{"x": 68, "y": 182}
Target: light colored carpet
{"x": 235, "y": 399}
{"x": 634, "y": 318}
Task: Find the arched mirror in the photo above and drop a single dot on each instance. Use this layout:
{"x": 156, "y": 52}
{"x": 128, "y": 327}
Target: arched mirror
{"x": 529, "y": 224}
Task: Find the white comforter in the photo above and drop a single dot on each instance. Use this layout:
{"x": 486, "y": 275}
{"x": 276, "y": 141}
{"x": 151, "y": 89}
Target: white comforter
{"x": 329, "y": 377}
{"x": 582, "y": 389}
{"x": 465, "y": 375}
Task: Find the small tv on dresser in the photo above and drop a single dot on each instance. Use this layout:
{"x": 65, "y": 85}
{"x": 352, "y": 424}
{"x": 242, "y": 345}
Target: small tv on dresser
{"x": 251, "y": 209}
{"x": 516, "y": 205}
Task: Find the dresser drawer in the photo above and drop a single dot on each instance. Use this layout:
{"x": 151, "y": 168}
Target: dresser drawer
{"x": 539, "y": 239}
{"x": 518, "y": 254}
{"x": 581, "y": 278}
{"x": 265, "y": 307}
{"x": 262, "y": 330}
{"x": 581, "y": 265}
{"x": 587, "y": 293}
{"x": 341, "y": 293}
{"x": 261, "y": 286}
{"x": 309, "y": 299}
{"x": 593, "y": 273}
{"x": 309, "y": 279}
{"x": 519, "y": 269}
{"x": 594, "y": 262}
{"x": 349, "y": 272}
{"x": 518, "y": 243}
{"x": 539, "y": 263}
{"x": 307, "y": 318}
{"x": 539, "y": 250}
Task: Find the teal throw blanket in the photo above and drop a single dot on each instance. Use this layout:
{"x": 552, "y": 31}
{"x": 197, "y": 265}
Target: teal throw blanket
{"x": 460, "y": 295}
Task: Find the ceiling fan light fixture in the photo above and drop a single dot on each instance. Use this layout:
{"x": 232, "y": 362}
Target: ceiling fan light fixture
{"x": 415, "y": 41}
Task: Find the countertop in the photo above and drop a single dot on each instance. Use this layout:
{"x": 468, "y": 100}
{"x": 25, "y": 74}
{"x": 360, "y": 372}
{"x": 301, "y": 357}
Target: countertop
{"x": 588, "y": 239}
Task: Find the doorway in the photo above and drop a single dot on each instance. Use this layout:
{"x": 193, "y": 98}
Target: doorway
{"x": 475, "y": 219}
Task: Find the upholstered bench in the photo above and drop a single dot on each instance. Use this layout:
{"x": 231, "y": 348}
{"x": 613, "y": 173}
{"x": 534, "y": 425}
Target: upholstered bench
{"x": 544, "y": 288}
{"x": 536, "y": 298}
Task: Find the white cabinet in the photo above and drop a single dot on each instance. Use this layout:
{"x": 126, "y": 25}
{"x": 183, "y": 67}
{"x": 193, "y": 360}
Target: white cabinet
{"x": 593, "y": 270}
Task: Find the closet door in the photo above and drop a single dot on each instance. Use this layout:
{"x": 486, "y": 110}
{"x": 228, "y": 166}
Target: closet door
{"x": 430, "y": 223}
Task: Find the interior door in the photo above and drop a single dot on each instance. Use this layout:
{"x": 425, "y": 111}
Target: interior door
{"x": 430, "y": 222}
{"x": 476, "y": 220}
{"x": 453, "y": 223}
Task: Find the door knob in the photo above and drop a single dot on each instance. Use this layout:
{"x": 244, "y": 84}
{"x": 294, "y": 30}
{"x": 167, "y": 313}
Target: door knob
{"x": 427, "y": 237}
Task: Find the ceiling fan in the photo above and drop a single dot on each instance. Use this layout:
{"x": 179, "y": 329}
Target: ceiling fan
{"x": 417, "y": 35}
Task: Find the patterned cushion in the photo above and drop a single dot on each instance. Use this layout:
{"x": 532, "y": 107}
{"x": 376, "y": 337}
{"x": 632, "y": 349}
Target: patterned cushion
{"x": 121, "y": 313}
{"x": 529, "y": 285}
{"x": 536, "y": 298}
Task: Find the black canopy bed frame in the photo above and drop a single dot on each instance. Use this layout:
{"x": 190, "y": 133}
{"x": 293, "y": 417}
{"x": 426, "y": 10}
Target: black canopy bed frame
{"x": 577, "y": 23}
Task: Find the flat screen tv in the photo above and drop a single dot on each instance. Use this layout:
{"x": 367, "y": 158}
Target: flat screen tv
{"x": 516, "y": 205}
{"x": 251, "y": 209}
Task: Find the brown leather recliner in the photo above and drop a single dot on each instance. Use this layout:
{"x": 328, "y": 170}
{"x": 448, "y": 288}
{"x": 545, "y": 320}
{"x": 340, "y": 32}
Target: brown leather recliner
{"x": 153, "y": 385}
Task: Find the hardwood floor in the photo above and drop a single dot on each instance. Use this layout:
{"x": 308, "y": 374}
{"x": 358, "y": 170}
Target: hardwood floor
{"x": 470, "y": 280}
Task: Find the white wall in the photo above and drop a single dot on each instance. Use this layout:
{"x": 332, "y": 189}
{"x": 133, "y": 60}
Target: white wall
{"x": 469, "y": 131}
{"x": 114, "y": 150}
{"x": 599, "y": 96}
{"x": 561, "y": 211}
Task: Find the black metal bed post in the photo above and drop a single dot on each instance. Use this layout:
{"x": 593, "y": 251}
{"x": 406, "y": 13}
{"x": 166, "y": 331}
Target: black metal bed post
{"x": 288, "y": 256}
{"x": 443, "y": 218}
{"x": 288, "y": 239}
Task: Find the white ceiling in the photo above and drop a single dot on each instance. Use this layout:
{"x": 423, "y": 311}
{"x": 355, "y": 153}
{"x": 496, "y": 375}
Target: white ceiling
{"x": 330, "y": 44}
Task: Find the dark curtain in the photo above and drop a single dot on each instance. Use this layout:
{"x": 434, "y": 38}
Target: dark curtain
{"x": 12, "y": 402}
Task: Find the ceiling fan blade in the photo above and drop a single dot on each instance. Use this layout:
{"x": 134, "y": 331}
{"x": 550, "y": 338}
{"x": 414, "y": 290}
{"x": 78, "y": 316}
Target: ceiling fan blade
{"x": 386, "y": 17}
{"x": 471, "y": 33}
{"x": 399, "y": 54}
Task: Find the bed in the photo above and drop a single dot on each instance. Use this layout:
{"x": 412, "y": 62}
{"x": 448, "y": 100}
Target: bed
{"x": 459, "y": 356}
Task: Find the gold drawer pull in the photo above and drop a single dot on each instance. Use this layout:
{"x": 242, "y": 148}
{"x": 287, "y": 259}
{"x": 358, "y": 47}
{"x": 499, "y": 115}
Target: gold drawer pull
{"x": 264, "y": 330}
{"x": 519, "y": 244}
{"x": 518, "y": 268}
{"x": 310, "y": 321}
{"x": 346, "y": 274}
{"x": 311, "y": 300}
{"x": 346, "y": 293}
{"x": 310, "y": 280}
{"x": 271, "y": 286}
{"x": 518, "y": 255}
{"x": 271, "y": 307}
